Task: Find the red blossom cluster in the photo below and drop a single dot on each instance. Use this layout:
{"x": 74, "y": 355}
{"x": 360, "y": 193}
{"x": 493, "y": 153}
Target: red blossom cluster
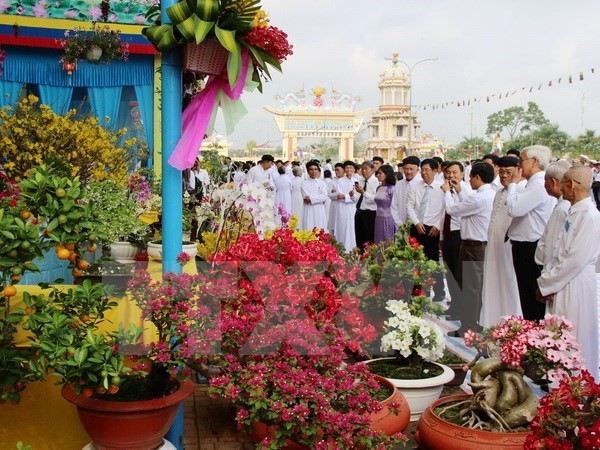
{"x": 8, "y": 190}
{"x": 272, "y": 40}
{"x": 568, "y": 417}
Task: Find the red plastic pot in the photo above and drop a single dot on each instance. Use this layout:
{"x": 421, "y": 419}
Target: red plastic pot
{"x": 434, "y": 433}
{"x": 128, "y": 425}
{"x": 384, "y": 420}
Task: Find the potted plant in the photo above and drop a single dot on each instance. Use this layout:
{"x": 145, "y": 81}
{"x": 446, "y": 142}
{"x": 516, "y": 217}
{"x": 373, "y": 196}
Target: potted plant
{"x": 116, "y": 404}
{"x": 568, "y": 417}
{"x": 456, "y": 363}
{"x": 98, "y": 45}
{"x": 118, "y": 213}
{"x": 275, "y": 321}
{"x": 416, "y": 343}
{"x": 502, "y": 405}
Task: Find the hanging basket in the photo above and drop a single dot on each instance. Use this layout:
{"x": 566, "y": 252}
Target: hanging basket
{"x": 208, "y": 57}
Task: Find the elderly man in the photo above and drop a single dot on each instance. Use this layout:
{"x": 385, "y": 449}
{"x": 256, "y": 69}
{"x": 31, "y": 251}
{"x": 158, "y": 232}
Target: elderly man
{"x": 500, "y": 295}
{"x": 530, "y": 210}
{"x": 568, "y": 283}
{"x": 548, "y": 243}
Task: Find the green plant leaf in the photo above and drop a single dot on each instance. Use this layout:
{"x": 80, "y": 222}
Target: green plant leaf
{"x": 227, "y": 39}
{"x": 234, "y": 66}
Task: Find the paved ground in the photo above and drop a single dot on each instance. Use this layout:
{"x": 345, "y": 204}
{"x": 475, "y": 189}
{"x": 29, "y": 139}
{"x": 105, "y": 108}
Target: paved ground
{"x": 209, "y": 424}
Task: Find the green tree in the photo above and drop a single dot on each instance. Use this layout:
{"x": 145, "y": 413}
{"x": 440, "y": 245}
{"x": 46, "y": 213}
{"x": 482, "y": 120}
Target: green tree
{"x": 516, "y": 120}
{"x": 478, "y": 146}
{"x": 586, "y": 144}
{"x": 549, "y": 135}
{"x": 250, "y": 145}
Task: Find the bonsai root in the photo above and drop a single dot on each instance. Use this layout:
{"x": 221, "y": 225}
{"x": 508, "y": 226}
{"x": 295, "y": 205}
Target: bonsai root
{"x": 501, "y": 399}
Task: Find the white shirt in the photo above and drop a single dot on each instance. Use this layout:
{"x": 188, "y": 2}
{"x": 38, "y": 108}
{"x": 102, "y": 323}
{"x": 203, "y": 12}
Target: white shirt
{"x": 496, "y": 185}
{"x": 398, "y": 209}
{"x": 547, "y": 246}
{"x": 261, "y": 176}
{"x": 529, "y": 208}
{"x": 454, "y": 219}
{"x": 434, "y": 212}
{"x": 368, "y": 201}
{"x": 475, "y": 210}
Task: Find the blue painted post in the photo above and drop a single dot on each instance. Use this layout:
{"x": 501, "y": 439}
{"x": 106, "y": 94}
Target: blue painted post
{"x": 171, "y": 179}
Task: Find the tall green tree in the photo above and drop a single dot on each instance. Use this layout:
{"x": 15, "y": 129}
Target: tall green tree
{"x": 587, "y": 143}
{"x": 515, "y": 121}
{"x": 478, "y": 146}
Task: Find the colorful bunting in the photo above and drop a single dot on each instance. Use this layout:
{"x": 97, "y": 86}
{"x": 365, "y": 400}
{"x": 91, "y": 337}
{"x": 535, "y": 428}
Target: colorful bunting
{"x": 467, "y": 102}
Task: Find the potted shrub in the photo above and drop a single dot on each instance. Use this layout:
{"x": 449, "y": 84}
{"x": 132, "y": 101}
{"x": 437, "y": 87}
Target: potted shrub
{"x": 502, "y": 405}
{"x": 119, "y": 406}
{"x": 416, "y": 343}
{"x": 275, "y": 322}
{"x": 569, "y": 416}
{"x": 118, "y": 210}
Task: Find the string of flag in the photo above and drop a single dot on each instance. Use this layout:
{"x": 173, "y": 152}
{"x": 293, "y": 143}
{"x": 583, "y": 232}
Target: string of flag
{"x": 567, "y": 79}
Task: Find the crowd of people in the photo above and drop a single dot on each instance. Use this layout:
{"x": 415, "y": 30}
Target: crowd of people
{"x": 518, "y": 233}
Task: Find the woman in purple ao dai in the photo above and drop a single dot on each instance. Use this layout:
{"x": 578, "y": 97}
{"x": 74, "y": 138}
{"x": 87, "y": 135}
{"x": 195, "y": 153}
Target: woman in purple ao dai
{"x": 385, "y": 228}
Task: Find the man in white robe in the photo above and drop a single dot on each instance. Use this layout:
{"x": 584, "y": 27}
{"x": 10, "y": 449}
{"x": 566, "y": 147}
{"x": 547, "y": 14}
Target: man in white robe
{"x": 314, "y": 193}
{"x": 500, "y": 295}
{"x": 333, "y": 196}
{"x": 548, "y": 244}
{"x": 568, "y": 283}
{"x": 347, "y": 198}
{"x": 261, "y": 173}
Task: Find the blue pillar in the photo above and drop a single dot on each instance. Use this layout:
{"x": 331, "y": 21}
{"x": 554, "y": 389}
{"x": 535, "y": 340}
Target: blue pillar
{"x": 172, "y": 194}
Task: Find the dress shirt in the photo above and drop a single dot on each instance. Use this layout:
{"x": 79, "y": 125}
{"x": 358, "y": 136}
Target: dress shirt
{"x": 529, "y": 208}
{"x": 368, "y": 201}
{"x": 399, "y": 212}
{"x": 475, "y": 211}
{"x": 496, "y": 185}
{"x": 261, "y": 176}
{"x": 455, "y": 220}
{"x": 434, "y": 211}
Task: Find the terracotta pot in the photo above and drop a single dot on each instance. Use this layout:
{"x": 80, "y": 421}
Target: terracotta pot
{"x": 434, "y": 433}
{"x": 128, "y": 425}
{"x": 421, "y": 393}
{"x": 384, "y": 420}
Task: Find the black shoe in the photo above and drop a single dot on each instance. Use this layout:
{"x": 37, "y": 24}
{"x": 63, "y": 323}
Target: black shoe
{"x": 454, "y": 333}
{"x": 438, "y": 299}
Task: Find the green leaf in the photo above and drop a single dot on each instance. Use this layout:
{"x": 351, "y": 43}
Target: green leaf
{"x": 206, "y": 9}
{"x": 179, "y": 12}
{"x": 234, "y": 66}
{"x": 227, "y": 39}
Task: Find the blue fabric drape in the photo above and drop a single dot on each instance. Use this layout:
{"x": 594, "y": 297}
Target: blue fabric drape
{"x": 42, "y": 66}
{"x": 105, "y": 103}
{"x": 57, "y": 97}
{"x": 9, "y": 92}
{"x": 145, "y": 97}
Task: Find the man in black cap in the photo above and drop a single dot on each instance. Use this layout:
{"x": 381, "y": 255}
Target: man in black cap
{"x": 261, "y": 174}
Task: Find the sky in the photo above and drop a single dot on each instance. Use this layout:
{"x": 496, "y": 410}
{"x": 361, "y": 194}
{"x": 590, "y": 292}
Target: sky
{"x": 483, "y": 47}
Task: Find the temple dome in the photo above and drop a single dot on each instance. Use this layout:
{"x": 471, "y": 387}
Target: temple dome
{"x": 395, "y": 72}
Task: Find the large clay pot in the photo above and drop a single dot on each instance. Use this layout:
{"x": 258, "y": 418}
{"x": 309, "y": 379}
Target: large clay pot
{"x": 128, "y": 425}
{"x": 384, "y": 420}
{"x": 421, "y": 393}
{"x": 434, "y": 433}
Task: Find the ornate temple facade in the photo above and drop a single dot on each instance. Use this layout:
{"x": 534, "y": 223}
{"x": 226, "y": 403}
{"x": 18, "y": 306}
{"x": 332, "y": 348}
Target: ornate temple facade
{"x": 395, "y": 130}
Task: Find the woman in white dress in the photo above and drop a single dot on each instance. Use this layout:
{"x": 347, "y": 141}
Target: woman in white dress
{"x": 333, "y": 195}
{"x": 297, "y": 199}
{"x": 283, "y": 193}
{"x": 330, "y": 183}
{"x": 347, "y": 198}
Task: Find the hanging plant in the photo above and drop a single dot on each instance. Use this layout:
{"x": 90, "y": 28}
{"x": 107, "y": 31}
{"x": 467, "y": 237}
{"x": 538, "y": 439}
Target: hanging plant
{"x": 98, "y": 45}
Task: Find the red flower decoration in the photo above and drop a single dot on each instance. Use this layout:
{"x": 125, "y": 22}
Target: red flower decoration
{"x": 272, "y": 40}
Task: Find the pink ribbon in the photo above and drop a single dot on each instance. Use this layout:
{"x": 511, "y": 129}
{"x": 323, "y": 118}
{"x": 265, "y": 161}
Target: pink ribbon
{"x": 197, "y": 115}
